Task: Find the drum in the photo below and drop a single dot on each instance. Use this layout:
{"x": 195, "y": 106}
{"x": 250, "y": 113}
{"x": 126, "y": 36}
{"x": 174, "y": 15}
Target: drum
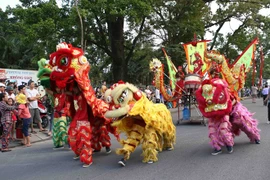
{"x": 192, "y": 82}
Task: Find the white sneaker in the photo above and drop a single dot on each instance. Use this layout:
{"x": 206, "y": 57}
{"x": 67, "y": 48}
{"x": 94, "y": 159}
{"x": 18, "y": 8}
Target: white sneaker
{"x": 150, "y": 162}
{"x": 76, "y": 157}
{"x": 86, "y": 165}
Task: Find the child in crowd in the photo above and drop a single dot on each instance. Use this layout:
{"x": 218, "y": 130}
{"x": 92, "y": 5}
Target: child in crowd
{"x": 11, "y": 102}
{"x": 24, "y": 114}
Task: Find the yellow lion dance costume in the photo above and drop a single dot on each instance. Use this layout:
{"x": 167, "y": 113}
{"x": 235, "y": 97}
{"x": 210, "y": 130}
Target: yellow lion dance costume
{"x": 142, "y": 121}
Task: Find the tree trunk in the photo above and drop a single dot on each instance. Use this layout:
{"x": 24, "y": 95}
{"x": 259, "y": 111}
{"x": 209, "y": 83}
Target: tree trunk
{"x": 116, "y": 32}
{"x": 81, "y": 24}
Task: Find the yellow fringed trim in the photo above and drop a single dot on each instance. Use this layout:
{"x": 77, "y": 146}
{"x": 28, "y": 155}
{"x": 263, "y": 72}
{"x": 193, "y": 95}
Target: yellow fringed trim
{"x": 150, "y": 154}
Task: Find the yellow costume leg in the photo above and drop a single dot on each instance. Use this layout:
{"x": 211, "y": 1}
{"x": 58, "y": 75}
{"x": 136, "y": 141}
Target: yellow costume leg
{"x": 150, "y": 146}
{"x": 134, "y": 138}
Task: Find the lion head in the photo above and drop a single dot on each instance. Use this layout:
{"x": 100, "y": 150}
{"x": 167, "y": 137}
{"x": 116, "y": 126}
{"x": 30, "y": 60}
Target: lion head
{"x": 155, "y": 64}
{"x": 121, "y": 97}
{"x": 213, "y": 98}
{"x": 65, "y": 62}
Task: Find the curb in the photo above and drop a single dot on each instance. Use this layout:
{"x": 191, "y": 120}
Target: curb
{"x": 18, "y": 143}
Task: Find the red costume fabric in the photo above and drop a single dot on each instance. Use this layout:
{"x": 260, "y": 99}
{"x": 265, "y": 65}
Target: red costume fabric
{"x": 60, "y": 105}
{"x": 198, "y": 63}
{"x": 80, "y": 130}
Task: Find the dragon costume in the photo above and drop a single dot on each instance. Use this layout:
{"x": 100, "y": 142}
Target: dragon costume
{"x": 58, "y": 102}
{"x": 142, "y": 121}
{"x": 235, "y": 76}
{"x": 157, "y": 68}
{"x": 226, "y": 115}
{"x": 89, "y": 128}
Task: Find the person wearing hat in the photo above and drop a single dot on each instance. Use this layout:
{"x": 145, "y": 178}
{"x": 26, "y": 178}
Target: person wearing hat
{"x": 6, "y": 121}
{"x": 2, "y": 88}
{"x": 10, "y": 92}
{"x": 24, "y": 114}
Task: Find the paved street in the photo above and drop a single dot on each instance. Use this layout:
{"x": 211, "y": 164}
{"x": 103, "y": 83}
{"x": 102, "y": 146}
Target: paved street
{"x": 191, "y": 159}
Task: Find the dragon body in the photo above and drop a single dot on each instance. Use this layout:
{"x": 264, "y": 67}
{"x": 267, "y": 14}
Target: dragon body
{"x": 157, "y": 68}
{"x": 235, "y": 76}
{"x": 142, "y": 121}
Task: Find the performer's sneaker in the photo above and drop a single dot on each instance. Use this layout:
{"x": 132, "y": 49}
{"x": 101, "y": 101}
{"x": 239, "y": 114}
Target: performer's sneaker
{"x": 169, "y": 149}
{"x": 76, "y": 157}
{"x": 150, "y": 162}
{"x": 122, "y": 162}
{"x": 257, "y": 141}
{"x": 95, "y": 151}
{"x": 230, "y": 149}
{"x": 216, "y": 152}
{"x": 108, "y": 150}
{"x": 86, "y": 165}
{"x": 58, "y": 147}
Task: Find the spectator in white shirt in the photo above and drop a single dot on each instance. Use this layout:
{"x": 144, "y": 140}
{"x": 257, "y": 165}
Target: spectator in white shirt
{"x": 33, "y": 96}
{"x": 264, "y": 94}
{"x": 148, "y": 92}
{"x": 157, "y": 94}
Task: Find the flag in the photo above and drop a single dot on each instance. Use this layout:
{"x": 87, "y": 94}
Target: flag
{"x": 247, "y": 56}
{"x": 261, "y": 66}
{"x": 190, "y": 49}
{"x": 172, "y": 70}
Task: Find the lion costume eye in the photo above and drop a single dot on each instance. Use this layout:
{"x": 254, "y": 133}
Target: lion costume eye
{"x": 64, "y": 61}
{"x": 109, "y": 99}
{"x": 221, "y": 96}
{"x": 82, "y": 60}
{"x": 123, "y": 96}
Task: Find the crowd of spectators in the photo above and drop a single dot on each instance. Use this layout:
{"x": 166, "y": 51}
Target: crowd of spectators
{"x": 18, "y": 107}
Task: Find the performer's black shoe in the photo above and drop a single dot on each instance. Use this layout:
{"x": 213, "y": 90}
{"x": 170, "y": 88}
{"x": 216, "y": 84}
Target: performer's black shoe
{"x": 216, "y": 152}
{"x": 108, "y": 150}
{"x": 122, "y": 162}
{"x": 96, "y": 151}
{"x": 257, "y": 141}
{"x": 58, "y": 147}
{"x": 230, "y": 149}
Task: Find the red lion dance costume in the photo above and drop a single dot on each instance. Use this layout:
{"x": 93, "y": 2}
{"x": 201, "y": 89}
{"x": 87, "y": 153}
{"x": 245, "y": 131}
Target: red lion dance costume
{"x": 89, "y": 127}
{"x": 226, "y": 116}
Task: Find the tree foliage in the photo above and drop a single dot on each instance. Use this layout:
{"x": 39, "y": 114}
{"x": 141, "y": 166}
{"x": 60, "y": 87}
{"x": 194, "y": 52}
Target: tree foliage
{"x": 121, "y": 37}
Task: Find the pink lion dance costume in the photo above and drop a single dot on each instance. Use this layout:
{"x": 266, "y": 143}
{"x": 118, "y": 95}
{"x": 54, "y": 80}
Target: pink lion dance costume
{"x": 226, "y": 116}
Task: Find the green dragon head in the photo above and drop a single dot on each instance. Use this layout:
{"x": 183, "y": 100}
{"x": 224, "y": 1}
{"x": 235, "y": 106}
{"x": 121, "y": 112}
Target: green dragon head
{"x": 44, "y": 71}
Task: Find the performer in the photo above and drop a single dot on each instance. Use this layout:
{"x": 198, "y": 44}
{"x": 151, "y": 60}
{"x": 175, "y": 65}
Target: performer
{"x": 79, "y": 134}
{"x": 59, "y": 120}
{"x": 214, "y": 71}
{"x": 226, "y": 116}
{"x": 142, "y": 121}
{"x": 180, "y": 82}
{"x": 89, "y": 127}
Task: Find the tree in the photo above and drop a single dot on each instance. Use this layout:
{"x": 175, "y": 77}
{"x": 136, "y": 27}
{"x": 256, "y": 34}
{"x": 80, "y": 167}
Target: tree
{"x": 175, "y": 22}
